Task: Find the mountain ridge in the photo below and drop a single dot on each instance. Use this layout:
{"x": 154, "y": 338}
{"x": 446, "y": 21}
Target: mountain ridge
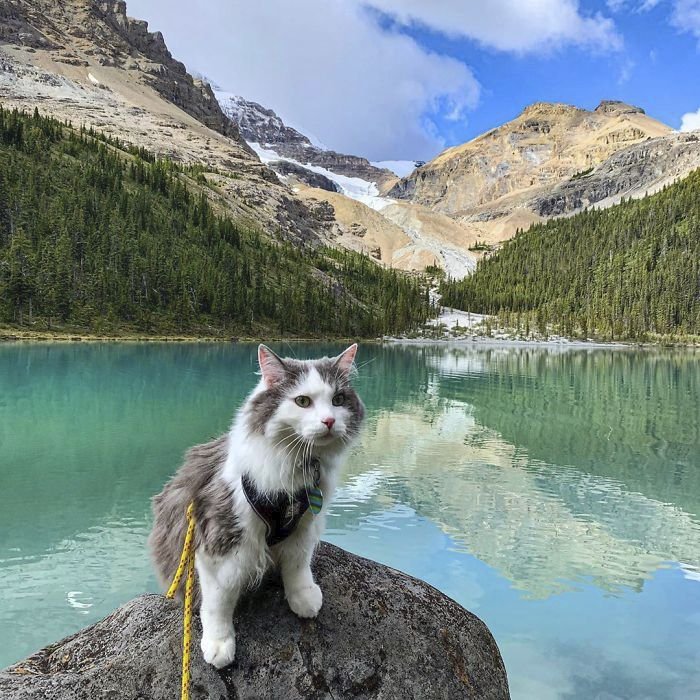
{"x": 553, "y": 159}
{"x": 545, "y": 143}
{"x": 88, "y": 62}
{"x": 262, "y": 126}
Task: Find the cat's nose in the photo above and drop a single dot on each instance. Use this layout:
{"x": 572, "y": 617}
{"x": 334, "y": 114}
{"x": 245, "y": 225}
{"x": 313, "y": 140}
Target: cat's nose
{"x": 328, "y": 422}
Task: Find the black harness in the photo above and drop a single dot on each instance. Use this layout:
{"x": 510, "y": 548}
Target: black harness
{"x": 280, "y": 513}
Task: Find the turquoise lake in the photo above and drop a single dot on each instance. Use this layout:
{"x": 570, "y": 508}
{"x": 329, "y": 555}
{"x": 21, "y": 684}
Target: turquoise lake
{"x": 555, "y": 493}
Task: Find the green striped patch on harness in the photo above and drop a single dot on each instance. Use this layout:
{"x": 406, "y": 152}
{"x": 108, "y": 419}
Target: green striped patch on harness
{"x": 315, "y": 500}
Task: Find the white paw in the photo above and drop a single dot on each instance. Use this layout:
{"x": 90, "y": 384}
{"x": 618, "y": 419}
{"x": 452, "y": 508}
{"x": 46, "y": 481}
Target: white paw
{"x": 306, "y": 602}
{"x": 219, "y": 652}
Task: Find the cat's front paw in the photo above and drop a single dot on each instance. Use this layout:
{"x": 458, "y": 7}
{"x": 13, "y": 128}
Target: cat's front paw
{"x": 307, "y": 601}
{"x": 219, "y": 652}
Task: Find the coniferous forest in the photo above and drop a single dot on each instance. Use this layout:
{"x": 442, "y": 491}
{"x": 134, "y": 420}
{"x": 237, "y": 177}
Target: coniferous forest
{"x": 628, "y": 272}
{"x": 100, "y": 236}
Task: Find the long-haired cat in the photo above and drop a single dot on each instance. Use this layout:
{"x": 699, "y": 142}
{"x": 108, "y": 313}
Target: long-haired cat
{"x": 259, "y": 491}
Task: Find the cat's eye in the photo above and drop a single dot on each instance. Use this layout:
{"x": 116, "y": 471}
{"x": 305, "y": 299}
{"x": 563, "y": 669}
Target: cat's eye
{"x": 303, "y": 401}
{"x": 339, "y": 399}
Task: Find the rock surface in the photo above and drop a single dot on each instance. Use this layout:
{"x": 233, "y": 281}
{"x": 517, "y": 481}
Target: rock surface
{"x": 85, "y": 33}
{"x": 402, "y": 235}
{"x": 542, "y": 147}
{"x": 380, "y": 634}
{"x": 635, "y": 172}
{"x": 302, "y": 174}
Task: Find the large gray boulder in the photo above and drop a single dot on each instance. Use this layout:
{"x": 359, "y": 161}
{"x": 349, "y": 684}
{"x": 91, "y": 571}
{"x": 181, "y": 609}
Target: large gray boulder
{"x": 380, "y": 634}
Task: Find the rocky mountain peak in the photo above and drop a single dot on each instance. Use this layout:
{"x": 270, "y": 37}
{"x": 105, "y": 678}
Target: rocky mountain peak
{"x": 549, "y": 109}
{"x": 489, "y": 182}
{"x": 88, "y": 62}
{"x": 618, "y": 107}
{"x": 258, "y": 124}
{"x": 135, "y": 31}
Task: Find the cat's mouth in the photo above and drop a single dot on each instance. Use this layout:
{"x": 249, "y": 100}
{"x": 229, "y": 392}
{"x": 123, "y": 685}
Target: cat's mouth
{"x": 325, "y": 438}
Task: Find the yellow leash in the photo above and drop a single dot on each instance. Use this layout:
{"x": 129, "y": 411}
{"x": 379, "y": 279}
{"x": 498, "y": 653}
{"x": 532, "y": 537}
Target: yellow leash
{"x": 186, "y": 563}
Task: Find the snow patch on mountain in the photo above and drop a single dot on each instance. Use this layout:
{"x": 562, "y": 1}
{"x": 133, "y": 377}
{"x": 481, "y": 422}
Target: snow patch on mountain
{"x": 454, "y": 318}
{"x": 293, "y": 156}
{"x": 352, "y": 187}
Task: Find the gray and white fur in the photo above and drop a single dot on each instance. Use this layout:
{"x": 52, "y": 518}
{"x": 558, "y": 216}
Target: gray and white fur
{"x": 298, "y": 410}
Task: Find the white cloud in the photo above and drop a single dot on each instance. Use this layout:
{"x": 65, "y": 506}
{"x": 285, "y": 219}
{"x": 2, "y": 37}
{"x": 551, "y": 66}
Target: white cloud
{"x": 508, "y": 25}
{"x": 690, "y": 121}
{"x": 626, "y": 70}
{"x": 634, "y": 5}
{"x": 686, "y": 16}
{"x": 326, "y": 65}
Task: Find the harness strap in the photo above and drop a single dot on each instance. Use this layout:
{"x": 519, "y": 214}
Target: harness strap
{"x": 280, "y": 513}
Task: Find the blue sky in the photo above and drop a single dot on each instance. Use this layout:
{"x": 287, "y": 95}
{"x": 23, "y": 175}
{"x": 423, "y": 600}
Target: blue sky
{"x": 395, "y": 79}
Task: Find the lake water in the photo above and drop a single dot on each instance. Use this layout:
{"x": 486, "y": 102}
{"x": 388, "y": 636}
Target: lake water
{"x": 554, "y": 493}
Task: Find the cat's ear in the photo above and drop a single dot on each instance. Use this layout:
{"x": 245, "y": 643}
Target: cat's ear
{"x": 272, "y": 367}
{"x": 346, "y": 358}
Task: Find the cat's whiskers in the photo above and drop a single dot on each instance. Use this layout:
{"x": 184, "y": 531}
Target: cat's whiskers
{"x": 291, "y": 481}
{"x": 291, "y": 349}
{"x": 345, "y": 439}
{"x": 295, "y": 445}
{"x": 294, "y": 466}
{"x": 299, "y": 446}
{"x": 291, "y": 436}
{"x": 355, "y": 371}
{"x": 303, "y": 473}
{"x": 285, "y": 448}
{"x": 307, "y": 459}
{"x": 308, "y": 444}
{"x": 304, "y": 461}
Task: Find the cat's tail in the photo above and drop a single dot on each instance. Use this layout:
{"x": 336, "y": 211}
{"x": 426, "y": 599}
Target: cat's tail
{"x": 168, "y": 534}
{"x": 201, "y": 465}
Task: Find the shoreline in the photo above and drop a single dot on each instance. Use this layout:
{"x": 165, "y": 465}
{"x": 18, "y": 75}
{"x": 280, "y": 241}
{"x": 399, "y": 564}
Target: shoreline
{"x": 477, "y": 342}
{"x": 558, "y": 344}
{"x": 12, "y": 335}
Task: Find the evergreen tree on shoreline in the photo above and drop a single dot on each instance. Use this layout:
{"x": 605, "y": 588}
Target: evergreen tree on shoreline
{"x": 626, "y": 272}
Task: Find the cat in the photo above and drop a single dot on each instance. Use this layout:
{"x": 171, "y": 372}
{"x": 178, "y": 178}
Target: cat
{"x": 260, "y": 492}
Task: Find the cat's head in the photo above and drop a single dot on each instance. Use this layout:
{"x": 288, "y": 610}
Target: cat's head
{"x": 312, "y": 400}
